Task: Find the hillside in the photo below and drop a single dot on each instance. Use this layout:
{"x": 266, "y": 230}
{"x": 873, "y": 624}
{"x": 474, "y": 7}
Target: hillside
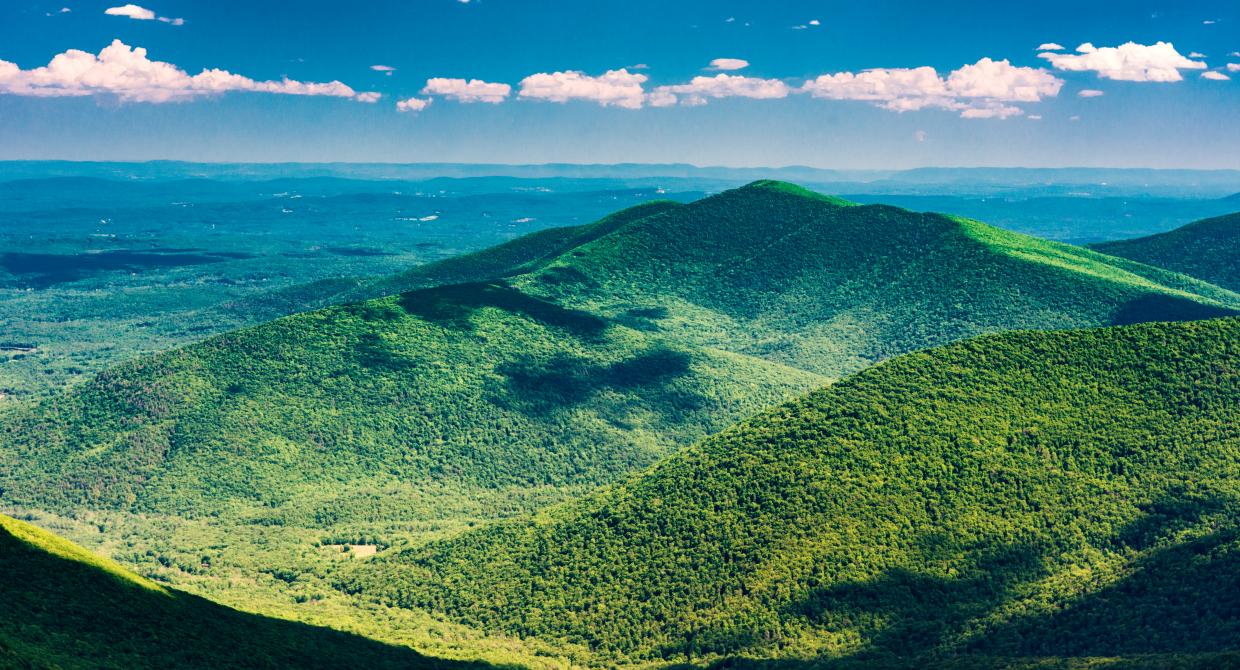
{"x": 475, "y": 386}
{"x": 1207, "y": 249}
{"x": 67, "y": 608}
{"x": 777, "y": 272}
{"x": 601, "y": 349}
{"x": 1027, "y": 494}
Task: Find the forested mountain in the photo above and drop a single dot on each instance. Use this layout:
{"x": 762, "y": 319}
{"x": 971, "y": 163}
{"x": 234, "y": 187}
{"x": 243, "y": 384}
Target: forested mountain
{"x": 66, "y": 608}
{"x": 1207, "y": 249}
{"x": 774, "y": 271}
{"x": 1027, "y": 494}
{"x": 594, "y": 351}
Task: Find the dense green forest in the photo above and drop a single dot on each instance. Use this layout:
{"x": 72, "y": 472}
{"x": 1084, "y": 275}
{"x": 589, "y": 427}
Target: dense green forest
{"x": 1024, "y": 495}
{"x": 1207, "y": 249}
{"x": 590, "y": 353}
{"x": 65, "y": 608}
{"x": 774, "y": 271}
{"x": 1018, "y": 495}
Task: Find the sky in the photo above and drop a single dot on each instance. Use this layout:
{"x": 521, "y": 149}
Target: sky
{"x": 849, "y": 85}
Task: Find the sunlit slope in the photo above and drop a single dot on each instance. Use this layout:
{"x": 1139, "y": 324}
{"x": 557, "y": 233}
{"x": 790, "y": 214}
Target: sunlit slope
{"x": 1207, "y": 249}
{"x": 775, "y": 271}
{"x": 1070, "y": 493}
{"x": 64, "y": 607}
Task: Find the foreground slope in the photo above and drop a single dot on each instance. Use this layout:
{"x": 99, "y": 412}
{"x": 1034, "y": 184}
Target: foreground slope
{"x": 1207, "y": 249}
{"x": 67, "y": 608}
{"x": 564, "y": 360}
{"x": 1069, "y": 493}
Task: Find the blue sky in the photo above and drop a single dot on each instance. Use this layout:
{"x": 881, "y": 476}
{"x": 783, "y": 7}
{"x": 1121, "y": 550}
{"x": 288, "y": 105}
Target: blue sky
{"x": 828, "y": 84}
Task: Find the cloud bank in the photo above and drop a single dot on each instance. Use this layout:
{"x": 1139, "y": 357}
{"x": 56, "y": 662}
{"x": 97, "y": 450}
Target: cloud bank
{"x": 473, "y": 90}
{"x": 977, "y": 91}
{"x": 618, "y": 88}
{"x": 127, "y": 74}
{"x": 1127, "y": 62}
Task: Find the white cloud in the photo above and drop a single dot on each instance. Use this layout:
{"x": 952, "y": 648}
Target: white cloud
{"x": 1034, "y": 117}
{"x": 1074, "y": 117}
{"x": 976, "y": 91}
{"x": 1209, "y": 22}
{"x": 130, "y": 76}
{"x": 64, "y": 10}
{"x": 138, "y": 13}
{"x": 1127, "y": 62}
{"x": 131, "y": 11}
{"x": 369, "y": 96}
{"x": 385, "y": 69}
{"x": 699, "y": 89}
{"x": 1049, "y": 46}
{"x": 413, "y": 104}
{"x": 728, "y": 64}
{"x": 919, "y": 136}
{"x": 1196, "y": 54}
{"x": 474, "y": 90}
{"x": 1234, "y": 54}
{"x": 815, "y": 22}
{"x": 1089, "y": 93}
{"x": 1216, "y": 76}
{"x": 1233, "y": 67}
{"x": 619, "y": 88}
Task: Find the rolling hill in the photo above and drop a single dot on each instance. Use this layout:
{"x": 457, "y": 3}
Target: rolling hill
{"x": 1207, "y": 249}
{"x": 1028, "y": 494}
{"x": 566, "y": 358}
{"x": 67, "y": 608}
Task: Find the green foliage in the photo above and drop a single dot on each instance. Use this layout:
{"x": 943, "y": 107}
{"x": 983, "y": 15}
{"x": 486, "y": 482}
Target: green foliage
{"x": 1208, "y": 249}
{"x": 474, "y": 385}
{"x": 1017, "y": 495}
{"x": 66, "y": 608}
{"x": 814, "y": 283}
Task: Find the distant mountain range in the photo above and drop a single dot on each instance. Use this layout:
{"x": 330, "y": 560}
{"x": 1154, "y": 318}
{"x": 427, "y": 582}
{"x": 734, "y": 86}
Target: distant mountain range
{"x": 1100, "y": 181}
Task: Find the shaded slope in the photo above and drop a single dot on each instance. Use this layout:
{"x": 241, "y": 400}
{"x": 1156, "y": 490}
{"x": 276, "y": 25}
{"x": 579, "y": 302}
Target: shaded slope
{"x": 67, "y": 608}
{"x": 998, "y": 494}
{"x": 472, "y": 385}
{"x": 1207, "y": 249}
{"x": 774, "y": 271}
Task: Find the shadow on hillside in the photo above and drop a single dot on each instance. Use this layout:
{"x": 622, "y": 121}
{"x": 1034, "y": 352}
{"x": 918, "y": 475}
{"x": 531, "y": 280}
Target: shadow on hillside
{"x": 1178, "y": 608}
{"x": 540, "y": 387}
{"x": 906, "y": 613}
{"x": 1180, "y": 597}
{"x": 70, "y": 614}
{"x": 452, "y": 306}
{"x": 1160, "y": 307}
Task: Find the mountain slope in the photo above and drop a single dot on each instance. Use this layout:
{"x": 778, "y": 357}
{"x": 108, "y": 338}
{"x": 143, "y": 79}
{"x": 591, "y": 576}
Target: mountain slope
{"x": 471, "y": 385}
{"x": 604, "y": 348}
{"x": 774, "y": 271}
{"x": 67, "y": 608}
{"x": 1207, "y": 249}
{"x": 1023, "y": 494}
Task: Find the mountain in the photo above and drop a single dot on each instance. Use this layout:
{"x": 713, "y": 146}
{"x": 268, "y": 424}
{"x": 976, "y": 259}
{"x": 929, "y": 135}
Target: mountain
{"x": 563, "y": 360}
{"x": 67, "y": 608}
{"x": 777, "y": 272}
{"x": 1028, "y": 494}
{"x": 1207, "y": 249}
